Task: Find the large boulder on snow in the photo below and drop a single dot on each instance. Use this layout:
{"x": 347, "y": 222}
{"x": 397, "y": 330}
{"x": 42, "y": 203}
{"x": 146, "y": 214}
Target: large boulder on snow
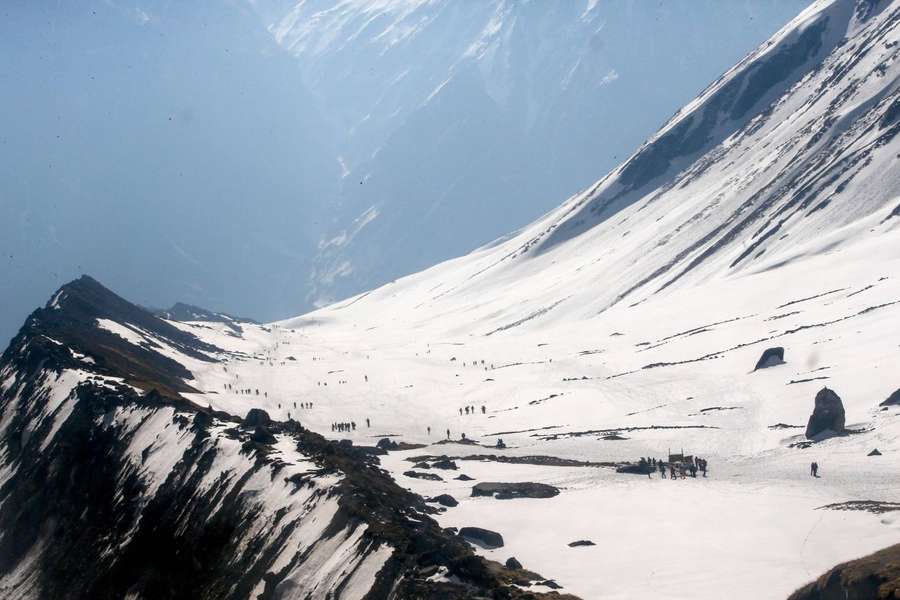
{"x": 892, "y": 400}
{"x": 827, "y": 416}
{"x": 504, "y": 491}
{"x": 445, "y": 500}
{"x": 770, "y": 357}
{"x": 257, "y": 417}
{"x": 387, "y": 444}
{"x": 483, "y": 537}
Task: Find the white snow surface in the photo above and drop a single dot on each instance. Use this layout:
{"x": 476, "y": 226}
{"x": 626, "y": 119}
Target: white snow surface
{"x": 586, "y": 326}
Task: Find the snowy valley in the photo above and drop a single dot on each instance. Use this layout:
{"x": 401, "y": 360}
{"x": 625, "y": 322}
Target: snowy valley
{"x": 710, "y": 298}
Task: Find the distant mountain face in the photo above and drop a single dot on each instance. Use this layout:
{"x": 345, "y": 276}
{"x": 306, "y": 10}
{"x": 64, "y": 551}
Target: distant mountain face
{"x": 322, "y": 147}
{"x": 457, "y": 122}
{"x": 797, "y": 142}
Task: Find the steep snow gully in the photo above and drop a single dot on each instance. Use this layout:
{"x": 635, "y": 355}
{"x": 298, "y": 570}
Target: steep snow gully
{"x": 730, "y": 293}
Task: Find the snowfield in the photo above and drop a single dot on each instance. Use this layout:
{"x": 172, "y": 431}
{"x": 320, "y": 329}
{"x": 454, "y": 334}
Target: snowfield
{"x": 627, "y": 324}
{"x": 557, "y": 386}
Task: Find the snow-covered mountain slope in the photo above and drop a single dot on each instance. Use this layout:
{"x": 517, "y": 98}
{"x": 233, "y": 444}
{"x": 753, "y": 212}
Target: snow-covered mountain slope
{"x": 458, "y": 121}
{"x": 765, "y": 214}
{"x": 114, "y": 486}
{"x": 627, "y": 323}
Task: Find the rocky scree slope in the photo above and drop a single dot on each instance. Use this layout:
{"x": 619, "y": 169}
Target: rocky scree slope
{"x": 112, "y": 485}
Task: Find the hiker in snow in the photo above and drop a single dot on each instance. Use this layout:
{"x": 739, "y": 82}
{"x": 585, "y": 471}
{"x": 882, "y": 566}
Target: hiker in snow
{"x": 429, "y": 430}
{"x": 500, "y": 443}
{"x": 483, "y": 409}
{"x": 814, "y": 469}
{"x": 463, "y": 436}
{"x": 460, "y": 412}
{"x": 367, "y": 378}
{"x": 662, "y": 470}
{"x": 353, "y": 424}
{"x": 672, "y": 475}
{"x": 367, "y": 422}
{"x": 448, "y": 434}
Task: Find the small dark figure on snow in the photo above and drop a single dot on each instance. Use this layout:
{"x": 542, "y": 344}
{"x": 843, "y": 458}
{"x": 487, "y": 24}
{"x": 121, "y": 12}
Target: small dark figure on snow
{"x": 368, "y": 424}
{"x": 483, "y": 409}
{"x": 814, "y": 469}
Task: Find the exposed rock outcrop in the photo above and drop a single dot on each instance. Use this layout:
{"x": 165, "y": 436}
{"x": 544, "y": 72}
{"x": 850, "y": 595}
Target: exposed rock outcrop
{"x": 257, "y": 417}
{"x": 770, "y": 358}
{"x": 893, "y": 399}
{"x": 445, "y": 500}
{"x": 483, "y": 537}
{"x": 504, "y": 491}
{"x": 428, "y": 476}
{"x": 827, "y": 416}
{"x": 874, "y": 576}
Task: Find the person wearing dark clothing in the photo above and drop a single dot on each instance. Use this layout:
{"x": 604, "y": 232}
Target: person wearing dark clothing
{"x": 814, "y": 469}
{"x": 662, "y": 470}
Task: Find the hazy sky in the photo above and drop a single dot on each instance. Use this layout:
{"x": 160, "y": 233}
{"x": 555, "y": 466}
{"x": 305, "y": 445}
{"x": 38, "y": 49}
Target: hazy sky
{"x": 174, "y": 152}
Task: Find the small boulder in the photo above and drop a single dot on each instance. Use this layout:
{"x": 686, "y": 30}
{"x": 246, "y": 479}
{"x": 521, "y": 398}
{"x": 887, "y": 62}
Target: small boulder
{"x": 464, "y": 477}
{"x": 512, "y": 563}
{"x": 770, "y": 358}
{"x": 445, "y": 500}
{"x": 483, "y": 537}
{"x": 428, "y": 476}
{"x": 257, "y": 417}
{"x": 827, "y": 416}
{"x": 874, "y": 452}
{"x": 444, "y": 463}
{"x": 577, "y": 543}
{"x": 386, "y": 444}
{"x": 893, "y": 399}
{"x": 550, "y": 584}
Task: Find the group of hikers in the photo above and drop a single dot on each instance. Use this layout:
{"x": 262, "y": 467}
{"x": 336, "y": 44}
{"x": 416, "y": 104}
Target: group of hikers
{"x": 347, "y": 426}
{"x": 678, "y": 469}
{"x": 245, "y": 391}
{"x": 470, "y": 410}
